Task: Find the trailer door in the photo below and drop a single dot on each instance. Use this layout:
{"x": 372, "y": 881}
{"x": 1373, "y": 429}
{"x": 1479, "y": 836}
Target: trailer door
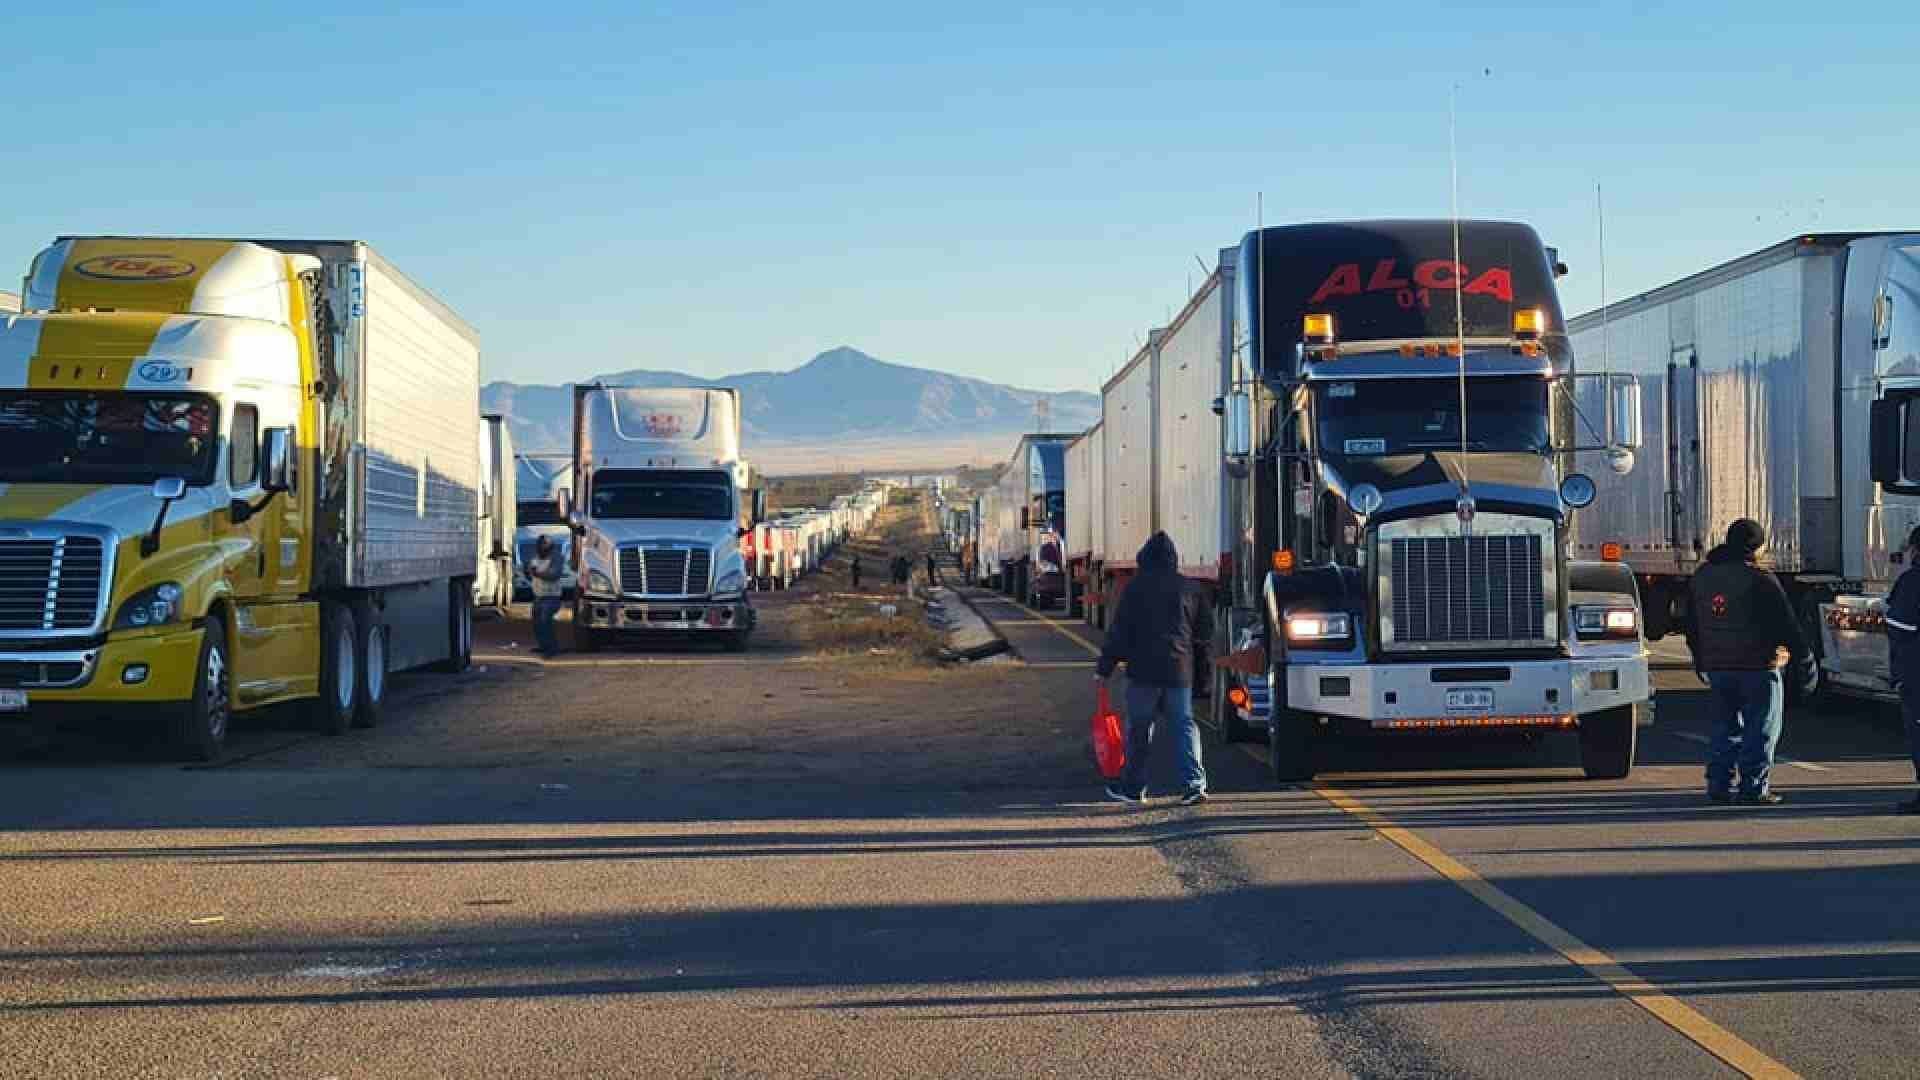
{"x": 1683, "y": 457}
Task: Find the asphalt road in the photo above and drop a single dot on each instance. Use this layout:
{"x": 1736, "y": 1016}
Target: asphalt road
{"x": 596, "y": 902}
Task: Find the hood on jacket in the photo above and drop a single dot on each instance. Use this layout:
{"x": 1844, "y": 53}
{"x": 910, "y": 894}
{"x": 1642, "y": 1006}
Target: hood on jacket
{"x": 1724, "y": 554}
{"x": 1158, "y": 554}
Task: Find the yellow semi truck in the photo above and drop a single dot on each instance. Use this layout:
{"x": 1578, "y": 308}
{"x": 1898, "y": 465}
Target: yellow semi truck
{"x": 233, "y": 474}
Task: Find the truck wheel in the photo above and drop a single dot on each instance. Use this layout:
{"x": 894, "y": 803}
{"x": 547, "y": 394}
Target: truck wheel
{"x": 459, "y": 631}
{"x": 331, "y": 713}
{"x": 371, "y": 641}
{"x": 200, "y": 728}
{"x": 1607, "y": 741}
{"x": 1290, "y": 736}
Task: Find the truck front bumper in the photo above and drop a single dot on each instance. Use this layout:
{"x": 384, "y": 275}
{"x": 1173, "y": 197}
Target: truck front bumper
{"x": 1465, "y": 693}
{"x": 695, "y": 616}
{"x": 151, "y": 668}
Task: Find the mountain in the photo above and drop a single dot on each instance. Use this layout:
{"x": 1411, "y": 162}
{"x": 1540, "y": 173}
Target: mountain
{"x": 841, "y": 396}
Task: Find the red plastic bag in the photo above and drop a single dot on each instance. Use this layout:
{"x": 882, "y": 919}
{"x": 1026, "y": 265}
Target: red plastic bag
{"x": 1109, "y": 737}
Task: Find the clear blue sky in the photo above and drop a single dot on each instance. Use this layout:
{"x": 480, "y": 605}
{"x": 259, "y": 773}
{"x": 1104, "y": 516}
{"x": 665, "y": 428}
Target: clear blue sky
{"x": 1010, "y": 193}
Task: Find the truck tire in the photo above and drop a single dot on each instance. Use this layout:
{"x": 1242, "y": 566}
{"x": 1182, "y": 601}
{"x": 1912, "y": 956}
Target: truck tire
{"x": 1290, "y": 736}
{"x": 1808, "y": 610}
{"x": 459, "y": 630}
{"x": 331, "y": 712}
{"x": 371, "y": 648}
{"x": 200, "y": 726}
{"x": 1607, "y": 742}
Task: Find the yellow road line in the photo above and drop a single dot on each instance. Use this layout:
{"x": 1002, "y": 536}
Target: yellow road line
{"x": 1709, "y": 1036}
{"x": 1070, "y": 635}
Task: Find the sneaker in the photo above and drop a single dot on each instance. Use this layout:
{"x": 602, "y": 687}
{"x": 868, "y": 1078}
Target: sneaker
{"x": 1193, "y": 798}
{"x": 1722, "y": 797}
{"x": 1116, "y": 793}
{"x": 1911, "y": 806}
{"x": 1764, "y": 798}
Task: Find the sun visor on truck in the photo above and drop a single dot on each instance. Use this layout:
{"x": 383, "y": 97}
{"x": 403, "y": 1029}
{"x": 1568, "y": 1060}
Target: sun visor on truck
{"x": 1388, "y": 281}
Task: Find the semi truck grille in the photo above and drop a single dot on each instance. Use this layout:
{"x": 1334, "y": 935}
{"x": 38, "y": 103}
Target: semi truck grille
{"x": 50, "y": 584}
{"x": 665, "y": 571}
{"x": 1468, "y": 590}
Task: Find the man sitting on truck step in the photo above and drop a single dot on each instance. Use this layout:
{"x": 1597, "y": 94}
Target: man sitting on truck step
{"x": 1161, "y": 631}
{"x": 1741, "y": 621}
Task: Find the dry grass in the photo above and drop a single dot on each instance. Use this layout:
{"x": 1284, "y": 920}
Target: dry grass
{"x": 849, "y": 626}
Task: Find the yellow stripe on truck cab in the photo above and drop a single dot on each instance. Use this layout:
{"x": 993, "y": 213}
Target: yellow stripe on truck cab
{"x": 91, "y": 352}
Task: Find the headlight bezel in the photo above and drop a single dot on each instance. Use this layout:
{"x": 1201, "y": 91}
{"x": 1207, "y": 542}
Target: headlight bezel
{"x": 160, "y": 604}
{"x": 599, "y": 583}
{"x": 1606, "y": 622}
{"x": 1319, "y": 629}
{"x": 731, "y": 583}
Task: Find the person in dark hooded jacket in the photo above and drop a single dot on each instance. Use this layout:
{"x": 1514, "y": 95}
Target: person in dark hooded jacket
{"x": 1160, "y": 632}
{"x": 1741, "y": 620}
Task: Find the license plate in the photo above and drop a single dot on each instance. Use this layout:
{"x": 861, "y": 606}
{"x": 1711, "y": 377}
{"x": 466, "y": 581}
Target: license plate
{"x": 13, "y": 700}
{"x": 1469, "y": 700}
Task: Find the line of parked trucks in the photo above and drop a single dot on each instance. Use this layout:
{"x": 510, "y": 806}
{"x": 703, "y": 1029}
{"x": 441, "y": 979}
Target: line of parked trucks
{"x": 1371, "y": 442}
{"x": 248, "y": 473}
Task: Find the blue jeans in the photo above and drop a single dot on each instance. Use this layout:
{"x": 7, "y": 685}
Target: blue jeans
{"x": 1145, "y": 706}
{"x": 1745, "y": 705}
{"x": 545, "y": 609}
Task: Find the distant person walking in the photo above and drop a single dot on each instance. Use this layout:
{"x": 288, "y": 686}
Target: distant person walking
{"x": 902, "y": 567}
{"x": 545, "y": 574}
{"x": 1161, "y": 632}
{"x": 1741, "y": 621}
{"x": 855, "y": 569}
{"x": 933, "y": 569}
{"x": 1903, "y": 655}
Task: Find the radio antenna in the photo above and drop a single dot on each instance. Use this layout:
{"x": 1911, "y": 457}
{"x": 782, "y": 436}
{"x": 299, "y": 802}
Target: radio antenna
{"x": 1606, "y": 363}
{"x": 1459, "y": 307}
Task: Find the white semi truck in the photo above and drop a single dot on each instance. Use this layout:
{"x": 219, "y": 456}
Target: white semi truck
{"x": 658, "y": 503}
{"x": 1787, "y": 390}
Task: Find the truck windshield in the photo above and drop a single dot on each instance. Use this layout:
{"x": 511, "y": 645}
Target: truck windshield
{"x": 1378, "y": 417}
{"x": 106, "y": 438}
{"x": 654, "y": 494}
{"x": 544, "y": 512}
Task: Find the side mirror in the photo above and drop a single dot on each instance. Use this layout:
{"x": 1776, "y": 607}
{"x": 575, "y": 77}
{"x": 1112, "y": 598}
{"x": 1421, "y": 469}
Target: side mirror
{"x": 563, "y": 502}
{"x": 1026, "y": 517}
{"x": 1883, "y": 439}
{"x": 1625, "y": 404}
{"x": 169, "y": 488}
{"x": 276, "y": 460}
{"x": 759, "y": 505}
{"x": 1237, "y": 440}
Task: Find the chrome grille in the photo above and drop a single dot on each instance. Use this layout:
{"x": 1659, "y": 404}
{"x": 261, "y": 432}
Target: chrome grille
{"x": 1468, "y": 589}
{"x": 50, "y": 583}
{"x": 665, "y": 571}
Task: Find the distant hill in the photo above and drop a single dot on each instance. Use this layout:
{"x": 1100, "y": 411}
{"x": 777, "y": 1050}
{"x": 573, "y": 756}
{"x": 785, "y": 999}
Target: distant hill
{"x": 840, "y": 398}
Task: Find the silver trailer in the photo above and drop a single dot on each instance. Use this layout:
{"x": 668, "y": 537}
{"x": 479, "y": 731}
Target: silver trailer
{"x": 1086, "y": 474}
{"x": 1763, "y": 376}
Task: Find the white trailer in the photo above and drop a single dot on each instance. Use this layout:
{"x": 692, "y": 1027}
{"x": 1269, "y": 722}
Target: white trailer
{"x": 1086, "y": 475}
{"x": 1763, "y": 377}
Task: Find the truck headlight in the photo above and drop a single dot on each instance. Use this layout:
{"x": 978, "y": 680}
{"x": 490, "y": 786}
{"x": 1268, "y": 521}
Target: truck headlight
{"x": 732, "y": 581}
{"x": 599, "y": 582}
{"x": 155, "y": 606}
{"x": 1596, "y": 622}
{"x": 1319, "y": 628}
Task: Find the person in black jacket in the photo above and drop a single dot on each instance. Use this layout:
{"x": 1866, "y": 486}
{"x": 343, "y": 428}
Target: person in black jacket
{"x": 1161, "y": 632}
{"x": 1903, "y": 654}
{"x": 1741, "y": 620}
